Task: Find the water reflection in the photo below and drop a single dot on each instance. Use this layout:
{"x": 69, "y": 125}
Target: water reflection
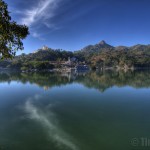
{"x": 48, "y": 120}
{"x": 73, "y": 115}
{"x": 98, "y": 80}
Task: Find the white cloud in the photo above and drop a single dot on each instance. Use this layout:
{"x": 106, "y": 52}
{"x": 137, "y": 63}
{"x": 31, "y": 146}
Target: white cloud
{"x": 37, "y": 35}
{"x": 43, "y": 10}
{"x": 49, "y": 25}
{"x": 34, "y": 34}
{"x": 40, "y": 14}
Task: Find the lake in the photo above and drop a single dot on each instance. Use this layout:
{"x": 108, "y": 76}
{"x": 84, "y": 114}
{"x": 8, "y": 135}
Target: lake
{"x": 107, "y": 110}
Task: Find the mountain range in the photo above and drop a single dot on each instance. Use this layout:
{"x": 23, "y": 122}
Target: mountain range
{"x": 100, "y": 55}
{"x": 103, "y": 46}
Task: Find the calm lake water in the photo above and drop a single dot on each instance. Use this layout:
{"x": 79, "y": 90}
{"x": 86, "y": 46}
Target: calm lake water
{"x": 84, "y": 111}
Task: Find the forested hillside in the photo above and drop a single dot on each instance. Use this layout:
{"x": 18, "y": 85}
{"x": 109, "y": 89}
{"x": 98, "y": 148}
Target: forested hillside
{"x": 100, "y": 55}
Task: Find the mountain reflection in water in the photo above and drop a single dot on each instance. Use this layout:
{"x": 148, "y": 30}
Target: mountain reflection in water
{"x": 74, "y": 111}
{"x": 97, "y": 80}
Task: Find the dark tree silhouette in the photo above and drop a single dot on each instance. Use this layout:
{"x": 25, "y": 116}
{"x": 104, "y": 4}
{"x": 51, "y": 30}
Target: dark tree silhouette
{"x": 11, "y": 34}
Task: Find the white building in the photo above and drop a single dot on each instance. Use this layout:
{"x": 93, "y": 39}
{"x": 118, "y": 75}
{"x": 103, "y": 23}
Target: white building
{"x": 44, "y": 48}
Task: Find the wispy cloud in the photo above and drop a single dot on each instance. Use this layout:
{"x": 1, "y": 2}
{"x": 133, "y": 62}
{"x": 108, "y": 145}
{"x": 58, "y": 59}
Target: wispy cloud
{"x": 42, "y": 11}
{"x": 49, "y": 25}
{"x": 37, "y": 35}
{"x": 40, "y": 15}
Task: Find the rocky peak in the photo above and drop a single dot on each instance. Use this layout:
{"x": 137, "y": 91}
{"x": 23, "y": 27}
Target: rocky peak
{"x": 102, "y": 42}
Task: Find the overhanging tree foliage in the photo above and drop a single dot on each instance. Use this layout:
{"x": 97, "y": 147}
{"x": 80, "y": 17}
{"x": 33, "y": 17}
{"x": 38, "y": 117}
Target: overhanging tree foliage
{"x": 11, "y": 34}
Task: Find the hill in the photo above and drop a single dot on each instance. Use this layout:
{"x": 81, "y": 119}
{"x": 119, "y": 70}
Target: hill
{"x": 101, "y": 55}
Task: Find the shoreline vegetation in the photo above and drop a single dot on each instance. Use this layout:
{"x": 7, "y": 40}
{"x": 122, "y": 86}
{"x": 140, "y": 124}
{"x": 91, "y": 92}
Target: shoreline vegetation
{"x": 72, "y": 69}
{"x": 101, "y": 56}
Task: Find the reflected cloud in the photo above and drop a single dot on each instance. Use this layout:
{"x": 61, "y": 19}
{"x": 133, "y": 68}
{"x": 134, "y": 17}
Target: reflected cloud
{"x": 50, "y": 123}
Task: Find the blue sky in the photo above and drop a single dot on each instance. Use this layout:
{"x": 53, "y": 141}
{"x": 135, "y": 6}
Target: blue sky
{"x": 74, "y": 24}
